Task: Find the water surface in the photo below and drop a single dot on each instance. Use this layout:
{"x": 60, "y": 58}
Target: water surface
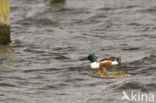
{"x": 45, "y": 62}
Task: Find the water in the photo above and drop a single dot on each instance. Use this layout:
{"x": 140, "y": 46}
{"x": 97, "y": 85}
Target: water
{"x": 45, "y": 62}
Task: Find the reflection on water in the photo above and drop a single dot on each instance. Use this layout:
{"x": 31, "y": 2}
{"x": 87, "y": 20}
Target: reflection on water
{"x": 6, "y": 54}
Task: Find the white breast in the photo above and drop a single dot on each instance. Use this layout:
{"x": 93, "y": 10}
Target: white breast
{"x": 114, "y": 63}
{"x": 94, "y": 65}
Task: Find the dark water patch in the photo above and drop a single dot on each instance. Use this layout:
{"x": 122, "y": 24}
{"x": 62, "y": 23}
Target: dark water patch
{"x": 21, "y": 44}
{"x": 33, "y": 51}
{"x": 47, "y": 55}
{"x": 39, "y": 70}
{"x": 124, "y": 44}
{"x": 98, "y": 16}
{"x": 130, "y": 85}
{"x": 58, "y": 93}
{"x": 2, "y": 94}
{"x": 49, "y": 87}
{"x": 64, "y": 10}
{"x": 64, "y": 49}
{"x": 49, "y": 30}
{"x": 106, "y": 37}
{"x": 63, "y": 84}
{"x": 16, "y": 43}
{"x": 40, "y": 22}
{"x": 151, "y": 59}
{"x": 23, "y": 83}
{"x": 142, "y": 36}
{"x": 74, "y": 11}
{"x": 61, "y": 57}
{"x": 152, "y": 69}
{"x": 96, "y": 100}
{"x": 134, "y": 24}
{"x": 11, "y": 77}
{"x": 25, "y": 22}
{"x": 47, "y": 22}
{"x": 90, "y": 20}
{"x": 15, "y": 78}
{"x": 119, "y": 8}
{"x": 149, "y": 36}
{"x": 145, "y": 66}
{"x": 107, "y": 9}
{"x": 131, "y": 6}
{"x": 85, "y": 72}
{"x": 38, "y": 59}
{"x": 83, "y": 58}
{"x": 108, "y": 48}
{"x": 1, "y": 63}
{"x": 137, "y": 86}
{"x": 58, "y": 86}
{"x": 78, "y": 68}
{"x": 87, "y": 22}
{"x": 14, "y": 8}
{"x": 92, "y": 84}
{"x": 7, "y": 70}
{"x": 86, "y": 34}
{"x": 7, "y": 85}
{"x": 144, "y": 72}
{"x": 71, "y": 80}
{"x": 13, "y": 100}
{"x": 80, "y": 37}
{"x": 131, "y": 48}
{"x": 151, "y": 10}
{"x": 151, "y": 86}
{"x": 102, "y": 29}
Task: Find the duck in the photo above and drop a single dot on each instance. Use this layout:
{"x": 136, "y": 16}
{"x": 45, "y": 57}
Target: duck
{"x": 103, "y": 64}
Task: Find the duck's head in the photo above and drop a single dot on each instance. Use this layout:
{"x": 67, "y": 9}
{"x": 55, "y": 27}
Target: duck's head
{"x": 92, "y": 58}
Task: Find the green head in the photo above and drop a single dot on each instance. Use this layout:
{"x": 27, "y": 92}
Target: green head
{"x": 92, "y": 58}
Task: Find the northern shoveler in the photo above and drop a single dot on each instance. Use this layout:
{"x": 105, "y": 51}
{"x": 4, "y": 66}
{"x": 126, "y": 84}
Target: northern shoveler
{"x": 103, "y": 64}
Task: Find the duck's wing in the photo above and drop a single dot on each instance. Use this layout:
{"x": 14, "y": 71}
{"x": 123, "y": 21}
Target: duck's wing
{"x": 112, "y": 59}
{"x": 104, "y": 59}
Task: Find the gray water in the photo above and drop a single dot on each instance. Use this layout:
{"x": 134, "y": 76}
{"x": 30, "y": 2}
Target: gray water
{"x": 45, "y": 62}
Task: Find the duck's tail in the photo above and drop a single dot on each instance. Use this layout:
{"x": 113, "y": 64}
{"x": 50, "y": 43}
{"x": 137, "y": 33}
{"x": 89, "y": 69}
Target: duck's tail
{"x": 119, "y": 60}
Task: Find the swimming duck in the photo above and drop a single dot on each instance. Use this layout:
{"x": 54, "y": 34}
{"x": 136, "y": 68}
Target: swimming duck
{"x": 103, "y": 64}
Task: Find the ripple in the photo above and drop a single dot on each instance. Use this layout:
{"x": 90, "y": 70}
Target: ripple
{"x": 7, "y": 85}
{"x": 151, "y": 86}
{"x": 131, "y": 85}
{"x": 131, "y": 48}
{"x": 52, "y": 43}
{"x": 148, "y": 10}
{"x": 39, "y": 70}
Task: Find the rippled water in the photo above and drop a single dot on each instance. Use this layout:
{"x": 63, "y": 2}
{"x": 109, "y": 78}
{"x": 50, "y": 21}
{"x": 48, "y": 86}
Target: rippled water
{"x": 45, "y": 63}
